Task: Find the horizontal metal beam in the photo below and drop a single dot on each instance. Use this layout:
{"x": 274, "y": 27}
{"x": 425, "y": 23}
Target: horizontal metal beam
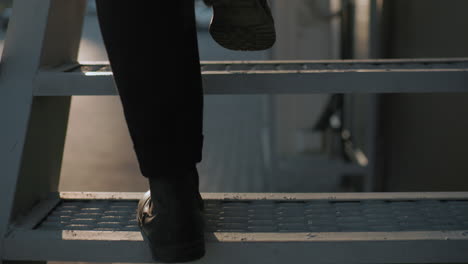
{"x": 344, "y": 247}
{"x": 350, "y": 196}
{"x": 280, "y": 77}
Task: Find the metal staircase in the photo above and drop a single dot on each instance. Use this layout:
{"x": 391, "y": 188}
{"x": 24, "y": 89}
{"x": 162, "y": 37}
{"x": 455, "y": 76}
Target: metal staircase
{"x": 39, "y": 73}
{"x": 276, "y": 77}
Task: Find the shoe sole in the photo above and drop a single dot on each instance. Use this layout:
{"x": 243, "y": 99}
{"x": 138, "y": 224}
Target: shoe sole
{"x": 249, "y": 32}
{"x": 173, "y": 254}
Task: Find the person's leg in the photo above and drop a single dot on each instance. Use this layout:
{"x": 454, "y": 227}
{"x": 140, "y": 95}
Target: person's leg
{"x": 152, "y": 49}
{"x": 153, "y": 53}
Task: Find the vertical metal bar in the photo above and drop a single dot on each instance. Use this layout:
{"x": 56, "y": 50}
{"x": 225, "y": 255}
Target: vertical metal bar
{"x": 347, "y": 52}
{"x": 20, "y": 60}
{"x": 41, "y": 32}
{"x": 362, "y": 47}
{"x": 362, "y": 26}
{"x": 365, "y": 38}
{"x": 335, "y": 27}
{"x": 375, "y": 51}
{"x": 376, "y": 24}
{"x": 347, "y": 29}
{"x": 42, "y": 153}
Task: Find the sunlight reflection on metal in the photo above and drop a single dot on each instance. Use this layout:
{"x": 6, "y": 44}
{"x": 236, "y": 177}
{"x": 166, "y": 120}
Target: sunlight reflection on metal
{"x": 101, "y": 235}
{"x": 362, "y": 29}
{"x": 98, "y": 73}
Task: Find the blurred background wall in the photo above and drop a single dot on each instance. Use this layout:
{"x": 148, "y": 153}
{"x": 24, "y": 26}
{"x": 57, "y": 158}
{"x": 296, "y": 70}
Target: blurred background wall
{"x": 425, "y": 135}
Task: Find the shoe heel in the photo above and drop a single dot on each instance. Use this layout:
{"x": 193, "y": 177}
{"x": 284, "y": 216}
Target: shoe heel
{"x": 179, "y": 253}
{"x": 186, "y": 253}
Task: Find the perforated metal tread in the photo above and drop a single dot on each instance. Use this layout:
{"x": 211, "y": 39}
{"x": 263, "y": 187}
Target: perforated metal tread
{"x": 280, "y": 77}
{"x": 270, "y": 228}
{"x": 276, "y": 216}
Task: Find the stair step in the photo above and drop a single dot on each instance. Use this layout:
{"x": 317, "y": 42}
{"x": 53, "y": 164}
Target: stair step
{"x": 269, "y": 227}
{"x": 280, "y": 77}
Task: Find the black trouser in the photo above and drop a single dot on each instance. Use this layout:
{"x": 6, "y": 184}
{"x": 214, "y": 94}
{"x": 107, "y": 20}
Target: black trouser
{"x": 153, "y": 52}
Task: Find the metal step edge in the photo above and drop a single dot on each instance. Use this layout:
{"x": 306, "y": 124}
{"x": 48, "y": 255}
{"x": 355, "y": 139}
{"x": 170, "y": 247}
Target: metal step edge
{"x": 282, "y": 77}
{"x": 345, "y": 196}
{"x": 371, "y": 247}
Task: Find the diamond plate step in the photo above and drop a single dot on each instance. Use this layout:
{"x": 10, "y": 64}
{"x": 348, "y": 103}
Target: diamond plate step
{"x": 338, "y": 227}
{"x": 280, "y": 77}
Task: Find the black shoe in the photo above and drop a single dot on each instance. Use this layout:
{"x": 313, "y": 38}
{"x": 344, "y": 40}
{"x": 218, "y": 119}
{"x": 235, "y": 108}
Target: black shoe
{"x": 242, "y": 24}
{"x": 170, "y": 217}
